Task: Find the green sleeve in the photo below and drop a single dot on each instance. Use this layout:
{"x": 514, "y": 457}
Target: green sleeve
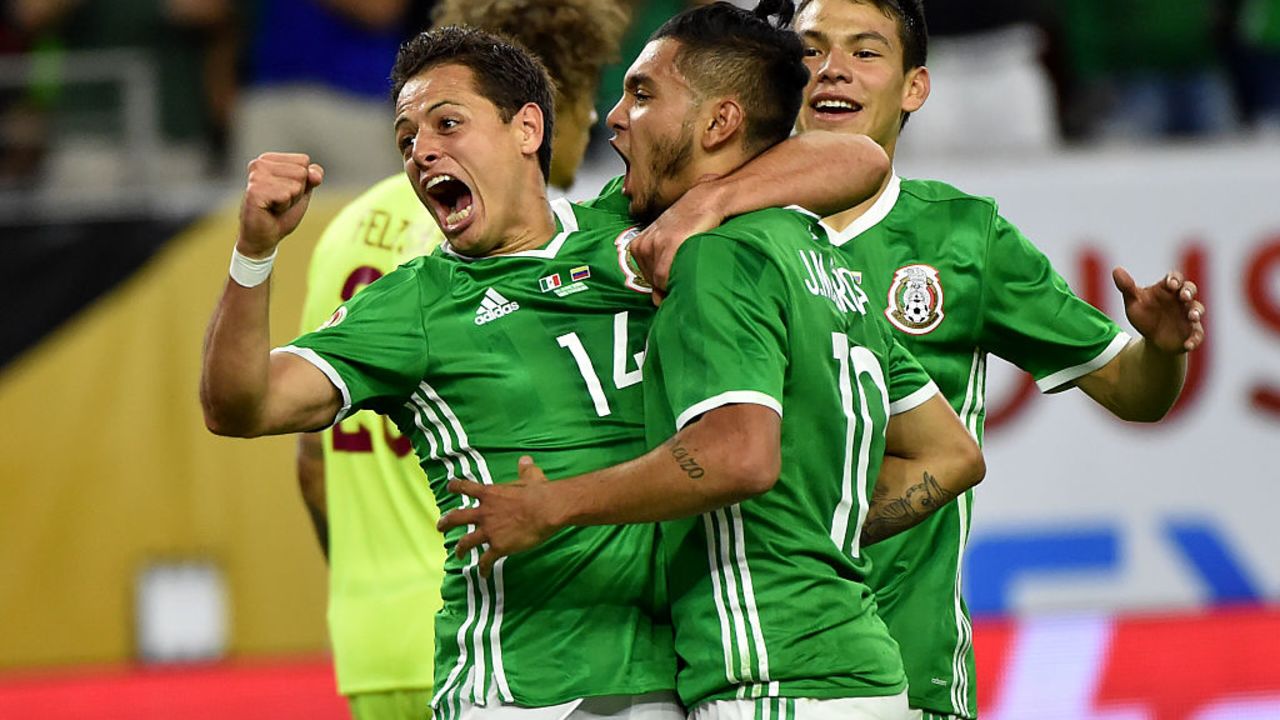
{"x": 611, "y": 199}
{"x": 374, "y": 347}
{"x": 1032, "y": 318}
{"x": 721, "y": 334}
{"x": 909, "y": 385}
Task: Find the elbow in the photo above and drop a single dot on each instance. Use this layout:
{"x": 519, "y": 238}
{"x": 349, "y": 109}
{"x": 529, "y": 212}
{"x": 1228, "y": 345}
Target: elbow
{"x": 225, "y": 424}
{"x": 975, "y": 465}
{"x": 753, "y": 473}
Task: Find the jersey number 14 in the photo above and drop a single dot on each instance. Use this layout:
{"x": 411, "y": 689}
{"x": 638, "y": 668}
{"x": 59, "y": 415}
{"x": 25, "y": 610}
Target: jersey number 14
{"x": 622, "y": 377}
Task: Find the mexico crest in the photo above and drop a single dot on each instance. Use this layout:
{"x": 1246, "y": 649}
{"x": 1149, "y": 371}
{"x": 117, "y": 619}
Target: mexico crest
{"x": 915, "y": 300}
{"x": 630, "y": 270}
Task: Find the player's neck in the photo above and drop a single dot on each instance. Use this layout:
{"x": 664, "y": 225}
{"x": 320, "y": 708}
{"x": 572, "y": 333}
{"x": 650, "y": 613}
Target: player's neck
{"x": 531, "y": 225}
{"x": 845, "y": 218}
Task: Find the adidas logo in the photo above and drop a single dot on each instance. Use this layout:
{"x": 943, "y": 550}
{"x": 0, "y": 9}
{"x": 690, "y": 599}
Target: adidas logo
{"x": 494, "y": 306}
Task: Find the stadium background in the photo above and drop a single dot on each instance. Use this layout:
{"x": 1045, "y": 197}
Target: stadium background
{"x": 151, "y": 570}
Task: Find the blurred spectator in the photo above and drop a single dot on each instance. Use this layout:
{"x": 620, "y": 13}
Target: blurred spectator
{"x": 1258, "y": 28}
{"x": 90, "y": 118}
{"x": 1148, "y": 68}
{"x": 990, "y": 92}
{"x": 318, "y": 84}
{"x": 22, "y": 122}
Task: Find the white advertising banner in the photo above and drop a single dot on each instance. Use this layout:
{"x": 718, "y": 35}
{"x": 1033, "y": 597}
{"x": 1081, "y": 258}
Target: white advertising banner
{"x": 1080, "y": 510}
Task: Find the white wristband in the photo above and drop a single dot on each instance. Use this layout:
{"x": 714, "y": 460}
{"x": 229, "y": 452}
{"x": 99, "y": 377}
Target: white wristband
{"x": 248, "y": 272}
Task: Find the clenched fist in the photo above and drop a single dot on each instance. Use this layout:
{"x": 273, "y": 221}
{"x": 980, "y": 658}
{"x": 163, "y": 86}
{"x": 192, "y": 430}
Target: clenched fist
{"x": 275, "y": 200}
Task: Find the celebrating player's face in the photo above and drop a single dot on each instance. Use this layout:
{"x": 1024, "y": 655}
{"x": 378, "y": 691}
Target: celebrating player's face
{"x": 856, "y": 81}
{"x": 463, "y": 160}
{"x": 653, "y": 129}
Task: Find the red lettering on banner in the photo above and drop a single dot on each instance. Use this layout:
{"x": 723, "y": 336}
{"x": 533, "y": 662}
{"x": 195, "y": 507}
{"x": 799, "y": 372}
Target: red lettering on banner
{"x": 1262, "y": 266}
{"x": 1177, "y": 667}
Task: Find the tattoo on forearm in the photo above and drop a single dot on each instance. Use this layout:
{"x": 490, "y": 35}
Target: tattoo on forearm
{"x": 891, "y": 515}
{"x": 687, "y": 462}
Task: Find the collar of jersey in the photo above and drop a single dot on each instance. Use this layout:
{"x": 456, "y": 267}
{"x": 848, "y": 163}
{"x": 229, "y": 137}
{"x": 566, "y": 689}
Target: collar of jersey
{"x": 566, "y": 219}
{"x": 878, "y": 211}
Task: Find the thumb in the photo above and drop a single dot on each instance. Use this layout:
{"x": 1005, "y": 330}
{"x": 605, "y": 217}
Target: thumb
{"x": 315, "y": 176}
{"x": 529, "y": 471}
{"x": 1124, "y": 282}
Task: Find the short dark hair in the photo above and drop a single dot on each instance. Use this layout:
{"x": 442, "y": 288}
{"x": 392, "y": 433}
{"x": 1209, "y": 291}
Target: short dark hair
{"x": 913, "y": 32}
{"x": 505, "y": 74}
{"x": 724, "y": 48}
{"x": 574, "y": 39}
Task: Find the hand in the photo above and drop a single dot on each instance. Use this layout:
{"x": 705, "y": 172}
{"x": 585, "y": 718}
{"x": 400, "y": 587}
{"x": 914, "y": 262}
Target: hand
{"x": 275, "y": 200}
{"x": 1166, "y": 313}
{"x": 511, "y": 517}
{"x": 655, "y": 247}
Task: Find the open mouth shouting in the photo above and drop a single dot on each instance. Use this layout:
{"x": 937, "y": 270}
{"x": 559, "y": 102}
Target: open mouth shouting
{"x": 450, "y": 200}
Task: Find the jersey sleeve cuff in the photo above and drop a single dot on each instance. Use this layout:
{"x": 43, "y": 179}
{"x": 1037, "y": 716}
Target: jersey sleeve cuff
{"x": 914, "y": 400}
{"x": 323, "y": 366}
{"x": 733, "y": 397}
{"x": 1055, "y": 381}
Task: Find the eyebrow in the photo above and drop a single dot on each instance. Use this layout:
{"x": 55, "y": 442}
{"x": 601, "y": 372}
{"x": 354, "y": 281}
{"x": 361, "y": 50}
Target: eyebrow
{"x": 636, "y": 79}
{"x": 401, "y": 119}
{"x": 851, "y": 39}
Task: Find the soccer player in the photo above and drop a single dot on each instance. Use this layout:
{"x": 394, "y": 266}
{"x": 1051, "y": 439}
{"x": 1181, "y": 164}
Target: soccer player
{"x": 377, "y": 526}
{"x": 478, "y": 354}
{"x": 962, "y": 282}
{"x": 771, "y": 613}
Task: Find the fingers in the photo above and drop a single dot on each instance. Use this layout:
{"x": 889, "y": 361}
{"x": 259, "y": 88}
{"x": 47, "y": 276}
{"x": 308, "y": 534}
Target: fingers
{"x": 487, "y": 561}
{"x": 458, "y": 518}
{"x": 278, "y": 180}
{"x": 1173, "y": 280}
{"x": 1188, "y": 292}
{"x": 469, "y": 488}
{"x": 470, "y": 541}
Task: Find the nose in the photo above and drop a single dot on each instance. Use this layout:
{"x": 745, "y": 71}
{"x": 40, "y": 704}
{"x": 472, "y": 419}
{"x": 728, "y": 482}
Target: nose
{"x": 616, "y": 120}
{"x": 425, "y": 152}
{"x": 836, "y": 67}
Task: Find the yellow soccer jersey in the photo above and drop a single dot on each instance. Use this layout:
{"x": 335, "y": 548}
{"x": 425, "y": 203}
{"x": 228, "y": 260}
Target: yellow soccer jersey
{"x": 386, "y": 558}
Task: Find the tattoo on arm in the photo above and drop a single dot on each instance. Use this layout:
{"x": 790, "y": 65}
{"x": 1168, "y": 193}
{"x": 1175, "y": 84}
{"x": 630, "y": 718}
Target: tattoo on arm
{"x": 687, "y": 462}
{"x": 889, "y": 516}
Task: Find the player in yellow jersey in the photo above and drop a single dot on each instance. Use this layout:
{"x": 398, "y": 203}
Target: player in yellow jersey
{"x": 367, "y": 496}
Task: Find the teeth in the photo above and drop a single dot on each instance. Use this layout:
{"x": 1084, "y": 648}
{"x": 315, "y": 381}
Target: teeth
{"x": 437, "y": 180}
{"x": 833, "y": 104}
{"x": 456, "y": 217}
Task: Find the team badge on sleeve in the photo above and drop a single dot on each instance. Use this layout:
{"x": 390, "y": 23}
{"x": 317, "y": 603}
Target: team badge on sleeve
{"x": 915, "y": 300}
{"x": 338, "y": 316}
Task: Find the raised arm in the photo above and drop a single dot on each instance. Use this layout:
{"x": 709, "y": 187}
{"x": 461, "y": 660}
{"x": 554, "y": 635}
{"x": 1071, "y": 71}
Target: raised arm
{"x": 245, "y": 390}
{"x": 1144, "y": 380}
{"x": 854, "y": 168}
{"x": 732, "y": 453}
{"x": 929, "y": 459}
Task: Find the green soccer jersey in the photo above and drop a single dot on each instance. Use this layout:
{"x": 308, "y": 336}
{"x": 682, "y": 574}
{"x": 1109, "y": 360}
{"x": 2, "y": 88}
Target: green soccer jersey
{"x": 768, "y": 596}
{"x": 480, "y": 361}
{"x": 957, "y": 281}
{"x": 386, "y": 558}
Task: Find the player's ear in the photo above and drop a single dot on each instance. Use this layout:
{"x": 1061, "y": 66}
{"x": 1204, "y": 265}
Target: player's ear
{"x": 527, "y": 122}
{"x": 723, "y": 124}
{"x": 916, "y": 89}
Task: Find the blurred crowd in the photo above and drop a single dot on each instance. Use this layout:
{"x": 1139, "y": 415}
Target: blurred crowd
{"x": 97, "y": 92}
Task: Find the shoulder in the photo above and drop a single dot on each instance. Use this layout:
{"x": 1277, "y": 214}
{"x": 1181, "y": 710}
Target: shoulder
{"x": 936, "y": 192}
{"x": 770, "y": 227}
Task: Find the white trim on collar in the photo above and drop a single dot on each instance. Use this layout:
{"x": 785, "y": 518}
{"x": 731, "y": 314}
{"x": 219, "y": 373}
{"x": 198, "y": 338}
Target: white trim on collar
{"x": 568, "y": 224}
{"x": 872, "y": 217}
